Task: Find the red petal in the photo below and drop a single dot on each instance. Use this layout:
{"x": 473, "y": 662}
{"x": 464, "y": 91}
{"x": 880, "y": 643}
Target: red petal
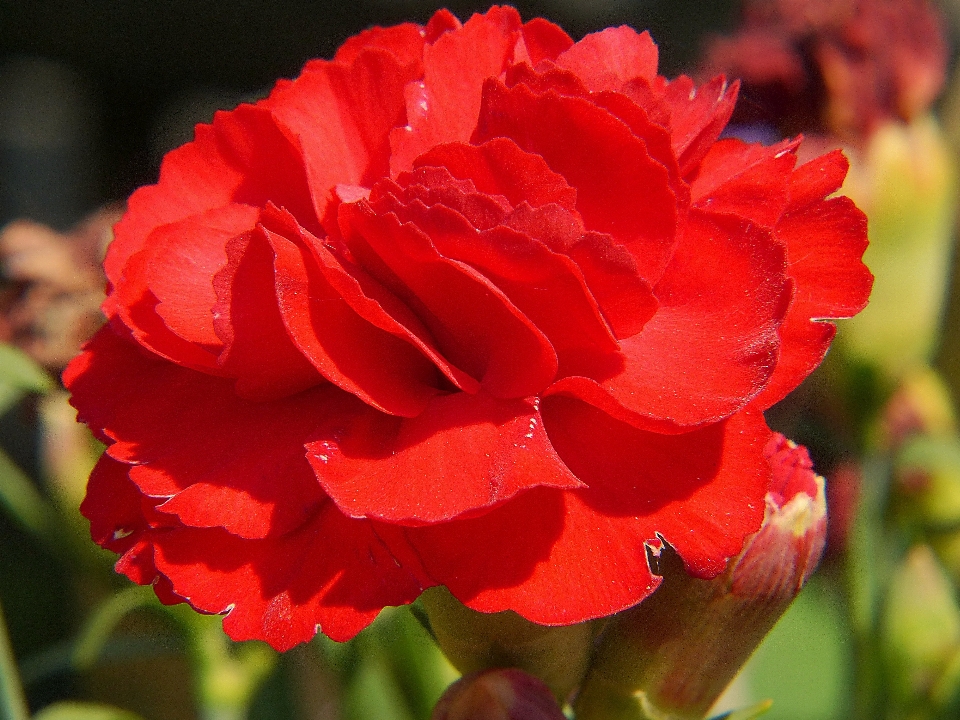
{"x": 442, "y": 21}
{"x": 405, "y": 42}
{"x": 655, "y": 136}
{"x": 172, "y": 277}
{"x": 608, "y": 59}
{"x": 243, "y": 157}
{"x": 645, "y": 113}
{"x": 702, "y": 491}
{"x": 544, "y": 78}
{"x": 586, "y": 554}
{"x": 621, "y": 190}
{"x": 463, "y": 453}
{"x": 443, "y": 107}
{"x": 825, "y": 241}
{"x": 611, "y": 272}
{"x": 138, "y": 564}
{"x": 381, "y": 369}
{"x": 113, "y": 506}
{"x": 257, "y": 349}
{"x": 549, "y": 289}
{"x": 544, "y": 41}
{"x": 117, "y": 512}
{"x": 378, "y": 306}
{"x": 332, "y": 574}
{"x": 749, "y": 181}
{"x": 814, "y": 180}
{"x": 608, "y": 268}
{"x": 697, "y": 116}
{"x": 546, "y": 286}
{"x": 225, "y": 461}
{"x": 475, "y": 325}
{"x": 342, "y": 114}
{"x": 500, "y": 167}
{"x": 712, "y": 344}
{"x": 435, "y": 186}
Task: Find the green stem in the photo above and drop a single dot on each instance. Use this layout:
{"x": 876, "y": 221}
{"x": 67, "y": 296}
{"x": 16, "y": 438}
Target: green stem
{"x": 867, "y": 569}
{"x": 13, "y": 704}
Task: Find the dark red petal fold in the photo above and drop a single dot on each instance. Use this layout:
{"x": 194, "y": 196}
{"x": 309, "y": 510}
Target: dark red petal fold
{"x": 113, "y": 505}
{"x": 500, "y": 167}
{"x": 257, "y": 348}
{"x": 608, "y": 268}
{"x": 383, "y": 370}
{"x": 546, "y": 286}
{"x": 474, "y": 323}
{"x": 118, "y": 515}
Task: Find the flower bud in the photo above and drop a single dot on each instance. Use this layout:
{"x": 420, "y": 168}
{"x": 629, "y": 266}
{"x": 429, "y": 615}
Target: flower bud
{"x": 927, "y": 477}
{"x": 672, "y": 655}
{"x": 921, "y": 632}
{"x": 921, "y": 405}
{"x": 843, "y": 498}
{"x": 498, "y": 694}
{"x": 905, "y": 182}
{"x": 475, "y": 641}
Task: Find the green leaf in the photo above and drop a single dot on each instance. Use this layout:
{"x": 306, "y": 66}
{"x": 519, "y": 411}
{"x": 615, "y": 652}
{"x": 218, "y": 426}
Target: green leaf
{"x": 19, "y": 375}
{"x": 100, "y": 625}
{"x": 748, "y": 713}
{"x": 84, "y": 711}
{"x": 24, "y": 502}
{"x": 13, "y": 704}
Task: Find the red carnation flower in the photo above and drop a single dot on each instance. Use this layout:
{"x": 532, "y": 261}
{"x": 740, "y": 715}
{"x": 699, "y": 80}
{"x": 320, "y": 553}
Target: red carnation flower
{"x": 471, "y": 305}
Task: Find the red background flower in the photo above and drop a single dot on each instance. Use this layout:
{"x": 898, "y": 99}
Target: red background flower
{"x": 469, "y": 305}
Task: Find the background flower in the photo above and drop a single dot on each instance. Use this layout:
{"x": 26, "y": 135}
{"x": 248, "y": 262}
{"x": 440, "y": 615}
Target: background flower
{"x": 827, "y": 66}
